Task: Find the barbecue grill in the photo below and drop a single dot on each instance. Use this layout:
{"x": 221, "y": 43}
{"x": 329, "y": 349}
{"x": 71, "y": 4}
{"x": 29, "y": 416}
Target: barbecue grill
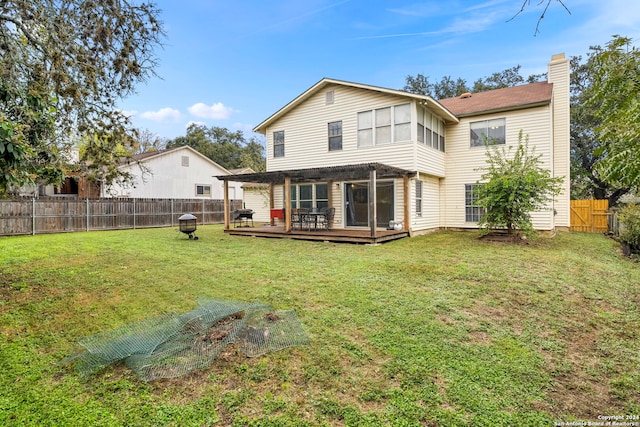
{"x": 242, "y": 217}
{"x": 188, "y": 225}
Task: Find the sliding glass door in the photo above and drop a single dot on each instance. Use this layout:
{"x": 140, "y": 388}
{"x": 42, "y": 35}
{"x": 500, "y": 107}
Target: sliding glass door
{"x": 357, "y": 203}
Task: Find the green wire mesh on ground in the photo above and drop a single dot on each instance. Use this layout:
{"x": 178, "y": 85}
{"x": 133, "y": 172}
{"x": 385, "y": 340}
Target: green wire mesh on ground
{"x": 172, "y": 345}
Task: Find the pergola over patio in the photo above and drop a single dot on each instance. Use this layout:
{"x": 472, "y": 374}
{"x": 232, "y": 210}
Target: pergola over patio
{"x": 358, "y": 172}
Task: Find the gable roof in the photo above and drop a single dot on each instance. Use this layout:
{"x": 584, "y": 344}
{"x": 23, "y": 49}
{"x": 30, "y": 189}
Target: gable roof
{"x": 510, "y": 98}
{"x": 144, "y": 157}
{"x": 241, "y": 170}
{"x": 427, "y": 100}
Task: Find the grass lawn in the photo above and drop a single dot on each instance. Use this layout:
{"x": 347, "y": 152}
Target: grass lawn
{"x": 436, "y": 330}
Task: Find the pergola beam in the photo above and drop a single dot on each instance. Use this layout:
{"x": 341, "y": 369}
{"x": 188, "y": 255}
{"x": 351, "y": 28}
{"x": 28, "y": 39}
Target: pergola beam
{"x": 371, "y": 172}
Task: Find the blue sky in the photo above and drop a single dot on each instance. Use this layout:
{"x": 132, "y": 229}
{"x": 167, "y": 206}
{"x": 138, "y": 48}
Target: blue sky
{"x": 234, "y": 63}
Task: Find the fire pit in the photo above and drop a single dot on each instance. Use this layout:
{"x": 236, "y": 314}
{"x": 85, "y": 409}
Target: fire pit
{"x": 188, "y": 225}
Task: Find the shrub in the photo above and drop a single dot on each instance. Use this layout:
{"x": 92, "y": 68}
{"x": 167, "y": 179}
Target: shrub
{"x": 629, "y": 217}
{"x": 515, "y": 182}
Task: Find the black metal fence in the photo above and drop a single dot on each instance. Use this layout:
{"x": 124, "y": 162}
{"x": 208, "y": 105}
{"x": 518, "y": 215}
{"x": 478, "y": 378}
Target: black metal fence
{"x": 69, "y": 214}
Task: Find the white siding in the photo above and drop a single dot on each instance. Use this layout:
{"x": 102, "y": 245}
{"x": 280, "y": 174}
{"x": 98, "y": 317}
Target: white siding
{"x": 337, "y": 194}
{"x": 463, "y": 161}
{"x": 168, "y": 178}
{"x": 257, "y": 198}
{"x": 306, "y": 138}
{"x": 430, "y": 218}
{"x": 430, "y": 160}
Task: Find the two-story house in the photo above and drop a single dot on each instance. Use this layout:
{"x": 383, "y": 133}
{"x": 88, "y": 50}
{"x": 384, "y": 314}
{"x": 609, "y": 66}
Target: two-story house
{"x": 378, "y": 155}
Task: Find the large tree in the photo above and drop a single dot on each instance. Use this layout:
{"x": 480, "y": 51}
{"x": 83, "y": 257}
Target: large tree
{"x": 616, "y": 94}
{"x": 229, "y": 149}
{"x": 586, "y": 143}
{"x": 64, "y": 65}
{"x": 448, "y": 87}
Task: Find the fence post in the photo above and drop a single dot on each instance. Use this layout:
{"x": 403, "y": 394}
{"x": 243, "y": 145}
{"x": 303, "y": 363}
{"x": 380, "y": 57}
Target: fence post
{"x": 172, "y": 212}
{"x": 86, "y": 219}
{"x": 134, "y": 214}
{"x": 33, "y": 216}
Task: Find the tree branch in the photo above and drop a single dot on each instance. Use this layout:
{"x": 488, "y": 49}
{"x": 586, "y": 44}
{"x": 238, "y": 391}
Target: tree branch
{"x": 526, "y": 3}
{"x": 24, "y": 31}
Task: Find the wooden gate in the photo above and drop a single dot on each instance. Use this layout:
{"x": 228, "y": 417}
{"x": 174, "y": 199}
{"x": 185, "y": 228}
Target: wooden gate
{"x": 589, "y": 216}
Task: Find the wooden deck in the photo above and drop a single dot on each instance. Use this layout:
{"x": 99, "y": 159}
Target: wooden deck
{"x": 335, "y": 235}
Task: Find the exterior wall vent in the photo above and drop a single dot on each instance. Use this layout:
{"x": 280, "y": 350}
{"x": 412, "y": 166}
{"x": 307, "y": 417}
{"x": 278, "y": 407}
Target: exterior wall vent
{"x": 329, "y": 97}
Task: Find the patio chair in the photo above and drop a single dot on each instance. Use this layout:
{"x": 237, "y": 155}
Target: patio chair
{"x": 300, "y": 219}
{"x": 305, "y": 219}
{"x": 327, "y": 219}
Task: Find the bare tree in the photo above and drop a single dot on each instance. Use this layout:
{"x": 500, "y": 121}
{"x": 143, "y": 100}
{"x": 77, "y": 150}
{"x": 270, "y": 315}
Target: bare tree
{"x": 545, "y": 4}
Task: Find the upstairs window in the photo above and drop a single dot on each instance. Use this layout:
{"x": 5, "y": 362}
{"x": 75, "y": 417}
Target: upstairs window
{"x": 402, "y": 122}
{"x": 365, "y": 129}
{"x": 335, "y": 136}
{"x": 430, "y": 130}
{"x": 278, "y": 144}
{"x": 487, "y": 132}
{"x": 384, "y": 125}
{"x": 439, "y": 133}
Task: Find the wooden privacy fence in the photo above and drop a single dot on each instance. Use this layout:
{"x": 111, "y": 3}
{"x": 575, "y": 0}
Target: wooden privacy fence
{"x": 590, "y": 216}
{"x": 59, "y": 215}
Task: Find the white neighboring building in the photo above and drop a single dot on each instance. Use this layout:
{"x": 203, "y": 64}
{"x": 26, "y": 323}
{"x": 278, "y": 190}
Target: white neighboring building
{"x": 177, "y": 173}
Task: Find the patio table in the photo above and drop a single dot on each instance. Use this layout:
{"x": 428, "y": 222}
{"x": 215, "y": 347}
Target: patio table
{"x": 314, "y": 216}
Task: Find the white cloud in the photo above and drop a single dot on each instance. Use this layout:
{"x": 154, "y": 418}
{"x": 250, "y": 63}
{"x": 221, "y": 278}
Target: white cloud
{"x": 161, "y": 115}
{"x": 616, "y": 17}
{"x": 458, "y": 27}
{"x": 217, "y": 111}
{"x": 471, "y": 25}
{"x": 486, "y": 5}
{"x": 419, "y": 10}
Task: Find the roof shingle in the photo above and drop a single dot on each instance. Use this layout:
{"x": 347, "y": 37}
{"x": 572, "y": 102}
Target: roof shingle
{"x": 510, "y": 98}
